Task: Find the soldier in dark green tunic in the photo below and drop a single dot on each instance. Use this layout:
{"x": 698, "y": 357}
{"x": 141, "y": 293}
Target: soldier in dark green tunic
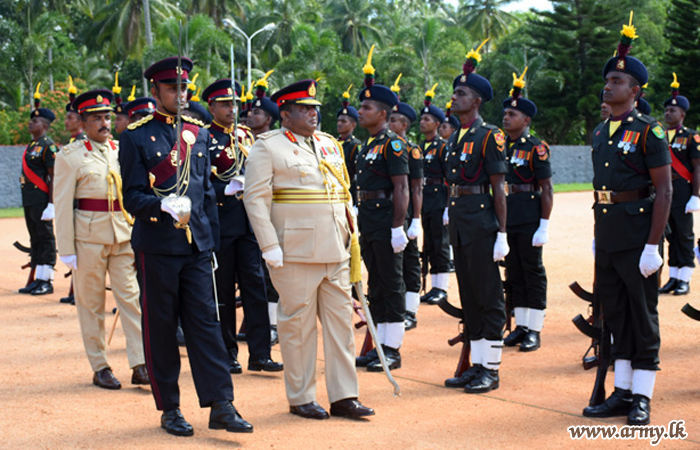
{"x": 346, "y": 122}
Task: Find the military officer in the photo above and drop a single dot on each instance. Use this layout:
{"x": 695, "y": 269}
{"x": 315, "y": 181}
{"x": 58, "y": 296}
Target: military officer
{"x": 199, "y": 112}
{"x": 239, "y": 258}
{"x": 436, "y": 240}
{"x": 402, "y": 117}
{"x": 173, "y": 239}
{"x": 382, "y": 201}
{"x": 95, "y": 238}
{"x": 37, "y": 199}
{"x": 346, "y": 122}
{"x": 298, "y": 203}
{"x": 476, "y": 215}
{"x": 139, "y": 108}
{"x": 685, "y": 174}
{"x": 72, "y": 122}
{"x": 630, "y": 161}
{"x": 530, "y": 199}
{"x": 450, "y": 124}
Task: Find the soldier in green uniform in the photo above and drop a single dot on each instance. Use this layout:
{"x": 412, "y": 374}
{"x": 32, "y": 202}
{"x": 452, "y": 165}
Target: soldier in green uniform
{"x": 37, "y": 198}
{"x": 382, "y": 202}
{"x": 632, "y": 179}
{"x": 685, "y": 174}
{"x": 72, "y": 121}
{"x": 530, "y": 199}
{"x": 450, "y": 123}
{"x": 346, "y": 123}
{"x": 477, "y": 218}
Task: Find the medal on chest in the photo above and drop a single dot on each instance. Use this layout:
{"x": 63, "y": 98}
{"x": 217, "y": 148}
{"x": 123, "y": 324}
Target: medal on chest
{"x": 519, "y": 157}
{"x": 628, "y": 142}
{"x": 680, "y": 143}
{"x": 373, "y": 152}
{"x": 466, "y": 153}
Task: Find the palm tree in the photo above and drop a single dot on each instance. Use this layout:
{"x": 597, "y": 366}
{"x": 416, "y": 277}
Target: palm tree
{"x": 485, "y": 19}
{"x": 351, "y": 19}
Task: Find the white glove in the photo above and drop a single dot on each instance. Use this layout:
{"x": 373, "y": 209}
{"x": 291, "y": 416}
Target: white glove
{"x": 355, "y": 211}
{"x": 164, "y": 207}
{"x": 48, "y": 214}
{"x": 650, "y": 261}
{"x": 71, "y": 261}
{"x": 399, "y": 241}
{"x": 446, "y": 217}
{"x": 274, "y": 258}
{"x": 214, "y": 262}
{"x": 234, "y": 186}
{"x": 415, "y": 229}
{"x": 692, "y": 206}
{"x": 500, "y": 248}
{"x": 541, "y": 236}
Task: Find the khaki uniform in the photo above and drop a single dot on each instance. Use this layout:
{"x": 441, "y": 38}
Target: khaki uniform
{"x": 101, "y": 242}
{"x": 289, "y": 206}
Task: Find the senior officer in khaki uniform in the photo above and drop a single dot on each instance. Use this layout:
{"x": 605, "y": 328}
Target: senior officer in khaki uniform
{"x": 300, "y": 211}
{"x": 95, "y": 238}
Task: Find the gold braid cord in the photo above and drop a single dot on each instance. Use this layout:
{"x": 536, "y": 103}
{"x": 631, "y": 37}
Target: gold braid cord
{"x": 114, "y": 181}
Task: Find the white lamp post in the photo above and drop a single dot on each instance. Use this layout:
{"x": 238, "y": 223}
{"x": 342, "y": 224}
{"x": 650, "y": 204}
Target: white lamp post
{"x": 267, "y": 27}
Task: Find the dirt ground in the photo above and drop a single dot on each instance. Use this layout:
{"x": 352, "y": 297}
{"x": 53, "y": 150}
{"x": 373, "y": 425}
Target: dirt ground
{"x": 47, "y": 400}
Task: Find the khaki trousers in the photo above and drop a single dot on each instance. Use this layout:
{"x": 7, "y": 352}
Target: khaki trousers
{"x": 307, "y": 291}
{"x": 94, "y": 261}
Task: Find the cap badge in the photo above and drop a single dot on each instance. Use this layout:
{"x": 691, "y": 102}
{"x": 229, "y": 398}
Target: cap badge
{"x": 620, "y": 63}
{"x": 99, "y": 99}
{"x": 312, "y": 90}
{"x": 345, "y": 111}
{"x": 367, "y": 93}
{"x": 514, "y": 103}
{"x": 673, "y": 102}
{"x": 463, "y": 79}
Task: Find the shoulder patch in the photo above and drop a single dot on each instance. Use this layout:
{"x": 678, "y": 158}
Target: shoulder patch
{"x": 499, "y": 137}
{"x": 53, "y": 148}
{"x": 542, "y": 152}
{"x": 140, "y": 122}
{"x": 194, "y": 121}
{"x": 416, "y": 153}
{"x": 396, "y": 145}
{"x": 696, "y": 138}
{"x": 658, "y": 131}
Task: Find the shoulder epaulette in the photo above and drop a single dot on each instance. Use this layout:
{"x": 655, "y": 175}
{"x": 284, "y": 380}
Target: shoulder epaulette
{"x": 69, "y": 148}
{"x": 194, "y": 121}
{"x": 245, "y": 127}
{"x": 140, "y": 122}
{"x": 268, "y": 134}
{"x": 646, "y": 119}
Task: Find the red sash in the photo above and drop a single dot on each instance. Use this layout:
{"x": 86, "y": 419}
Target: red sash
{"x": 165, "y": 169}
{"x": 680, "y": 168}
{"x": 31, "y": 175}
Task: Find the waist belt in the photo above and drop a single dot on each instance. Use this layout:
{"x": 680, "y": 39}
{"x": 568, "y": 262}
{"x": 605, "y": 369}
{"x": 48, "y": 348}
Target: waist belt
{"x": 675, "y": 176}
{"x": 516, "y": 188}
{"x": 458, "y": 191}
{"x": 363, "y": 196}
{"x": 428, "y": 181}
{"x": 610, "y": 197}
{"x": 98, "y": 205}
{"x": 306, "y": 196}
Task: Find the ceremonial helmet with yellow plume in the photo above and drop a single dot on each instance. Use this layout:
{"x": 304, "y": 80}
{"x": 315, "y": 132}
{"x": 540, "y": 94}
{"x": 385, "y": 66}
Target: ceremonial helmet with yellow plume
{"x": 624, "y": 63}
{"x": 516, "y": 100}
{"x": 471, "y": 79}
{"x": 402, "y": 108}
{"x": 347, "y": 109}
{"x": 429, "y": 108}
{"x": 46, "y": 113}
{"x": 262, "y": 101}
{"x": 376, "y": 92}
{"x": 676, "y": 99}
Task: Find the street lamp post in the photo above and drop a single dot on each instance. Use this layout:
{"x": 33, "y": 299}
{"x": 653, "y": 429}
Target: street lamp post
{"x": 230, "y": 23}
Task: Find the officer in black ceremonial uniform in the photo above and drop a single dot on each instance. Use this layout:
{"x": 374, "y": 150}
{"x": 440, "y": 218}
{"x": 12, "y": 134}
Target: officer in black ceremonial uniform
{"x": 346, "y": 122}
{"x": 477, "y": 219}
{"x": 530, "y": 199}
{"x": 72, "y": 121}
{"x": 239, "y": 257}
{"x": 139, "y": 108}
{"x": 37, "y": 199}
{"x": 436, "y": 239}
{"x": 402, "y": 117}
{"x": 632, "y": 179}
{"x": 685, "y": 174}
{"x": 382, "y": 202}
{"x": 450, "y": 123}
{"x": 173, "y": 243}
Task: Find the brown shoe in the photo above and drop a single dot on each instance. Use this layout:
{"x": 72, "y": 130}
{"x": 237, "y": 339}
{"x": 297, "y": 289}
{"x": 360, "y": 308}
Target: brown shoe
{"x": 309, "y": 411}
{"x": 106, "y": 379}
{"x": 140, "y": 375}
{"x": 351, "y": 408}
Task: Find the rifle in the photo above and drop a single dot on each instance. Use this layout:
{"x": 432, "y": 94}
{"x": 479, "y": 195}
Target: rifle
{"x": 508, "y": 295}
{"x": 32, "y": 270}
{"x": 423, "y": 269}
{"x": 464, "y": 361}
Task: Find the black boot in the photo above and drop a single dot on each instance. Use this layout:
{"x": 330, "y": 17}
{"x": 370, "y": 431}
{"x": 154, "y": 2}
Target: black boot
{"x": 682, "y": 288}
{"x": 669, "y": 287}
{"x": 223, "y": 415}
{"x": 640, "y": 413}
{"x": 29, "y": 288}
{"x": 393, "y": 360}
{"x": 174, "y": 422}
{"x": 486, "y": 381}
{"x": 368, "y": 358}
{"x": 465, "y": 378}
{"x": 531, "y": 341}
{"x": 44, "y": 287}
{"x": 410, "y": 322}
{"x": 618, "y": 404}
{"x": 516, "y": 336}
{"x": 438, "y": 295}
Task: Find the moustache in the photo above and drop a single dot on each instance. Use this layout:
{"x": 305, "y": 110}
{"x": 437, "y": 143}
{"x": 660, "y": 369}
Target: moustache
{"x": 104, "y": 129}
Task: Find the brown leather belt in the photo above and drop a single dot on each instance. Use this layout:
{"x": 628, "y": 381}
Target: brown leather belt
{"x": 675, "y": 176}
{"x": 610, "y": 197}
{"x": 428, "y": 181}
{"x": 97, "y": 205}
{"x": 363, "y": 196}
{"x": 516, "y": 188}
{"x": 458, "y": 191}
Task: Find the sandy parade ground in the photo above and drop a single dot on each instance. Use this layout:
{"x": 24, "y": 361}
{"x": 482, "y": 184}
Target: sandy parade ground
{"x": 47, "y": 400}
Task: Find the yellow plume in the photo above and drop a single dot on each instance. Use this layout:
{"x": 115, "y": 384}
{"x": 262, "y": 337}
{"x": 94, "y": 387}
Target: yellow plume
{"x": 629, "y": 30}
{"x": 195, "y": 97}
{"x": 132, "y": 96}
{"x": 448, "y": 105}
{"x": 263, "y": 81}
{"x": 368, "y": 69}
{"x": 242, "y": 97}
{"x": 474, "y": 54}
{"x": 193, "y": 84}
{"x": 675, "y": 84}
{"x": 395, "y": 87}
{"x": 319, "y": 78}
{"x": 116, "y": 88}
{"x": 346, "y": 94}
{"x": 645, "y": 86}
{"x": 519, "y": 82}
{"x": 431, "y": 92}
{"x": 37, "y": 94}
{"x": 250, "y": 95}
{"x": 71, "y": 87}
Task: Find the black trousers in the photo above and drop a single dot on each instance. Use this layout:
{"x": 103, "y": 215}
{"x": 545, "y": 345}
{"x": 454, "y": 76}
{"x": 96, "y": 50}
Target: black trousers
{"x": 240, "y": 262}
{"x": 524, "y": 269}
{"x": 272, "y": 295}
{"x": 681, "y": 239}
{"x": 480, "y": 289}
{"x": 436, "y": 242}
{"x": 411, "y": 266}
{"x": 181, "y": 286}
{"x": 41, "y": 238}
{"x": 629, "y": 303}
{"x": 387, "y": 290}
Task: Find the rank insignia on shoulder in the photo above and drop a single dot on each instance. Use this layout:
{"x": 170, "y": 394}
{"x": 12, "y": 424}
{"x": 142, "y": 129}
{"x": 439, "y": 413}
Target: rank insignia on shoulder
{"x": 542, "y": 152}
{"x": 396, "y": 145}
{"x": 416, "y": 153}
{"x": 658, "y": 131}
{"x": 500, "y": 138}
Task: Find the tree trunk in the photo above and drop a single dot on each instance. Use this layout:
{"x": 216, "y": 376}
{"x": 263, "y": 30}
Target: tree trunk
{"x": 145, "y": 82}
{"x": 147, "y": 23}
{"x": 50, "y": 58}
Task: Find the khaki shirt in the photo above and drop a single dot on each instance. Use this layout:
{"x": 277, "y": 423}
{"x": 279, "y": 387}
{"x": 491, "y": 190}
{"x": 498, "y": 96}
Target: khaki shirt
{"x": 81, "y": 171}
{"x": 306, "y": 232}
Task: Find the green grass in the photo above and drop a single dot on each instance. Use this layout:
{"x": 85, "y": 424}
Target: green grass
{"x": 573, "y": 187}
{"x": 6, "y": 213}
